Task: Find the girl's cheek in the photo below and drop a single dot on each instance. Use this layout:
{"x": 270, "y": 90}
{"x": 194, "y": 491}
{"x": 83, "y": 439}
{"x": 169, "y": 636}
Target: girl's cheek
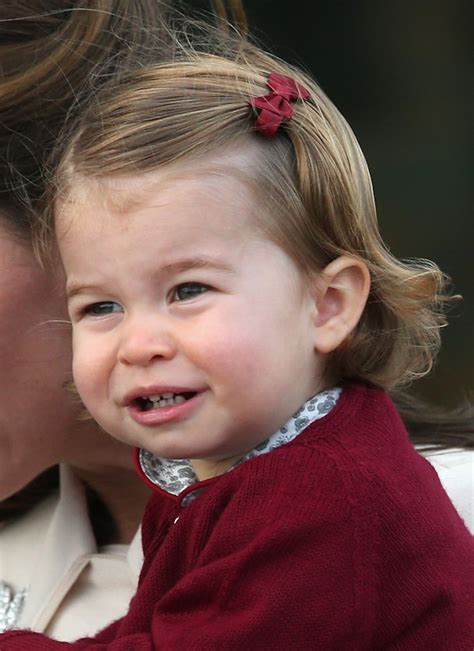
{"x": 87, "y": 363}
{"x": 228, "y": 352}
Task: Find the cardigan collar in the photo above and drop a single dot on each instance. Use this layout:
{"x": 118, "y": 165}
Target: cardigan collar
{"x": 176, "y": 475}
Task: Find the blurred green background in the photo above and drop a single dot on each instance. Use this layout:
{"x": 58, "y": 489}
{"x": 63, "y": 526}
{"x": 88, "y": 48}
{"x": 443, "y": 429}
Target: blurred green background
{"x": 400, "y": 73}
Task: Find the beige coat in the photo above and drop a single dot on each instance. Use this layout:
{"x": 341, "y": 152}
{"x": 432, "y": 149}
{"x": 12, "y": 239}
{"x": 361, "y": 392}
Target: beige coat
{"x": 73, "y": 589}
{"x": 455, "y": 470}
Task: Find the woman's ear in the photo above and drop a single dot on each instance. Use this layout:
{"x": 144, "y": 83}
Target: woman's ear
{"x": 340, "y": 294}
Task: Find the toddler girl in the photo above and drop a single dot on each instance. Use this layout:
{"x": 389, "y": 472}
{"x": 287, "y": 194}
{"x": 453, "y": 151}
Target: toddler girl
{"x": 237, "y": 318}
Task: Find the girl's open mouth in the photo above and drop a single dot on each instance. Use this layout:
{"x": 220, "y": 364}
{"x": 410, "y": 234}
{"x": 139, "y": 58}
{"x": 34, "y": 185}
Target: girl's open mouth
{"x": 146, "y": 403}
{"x": 166, "y": 407}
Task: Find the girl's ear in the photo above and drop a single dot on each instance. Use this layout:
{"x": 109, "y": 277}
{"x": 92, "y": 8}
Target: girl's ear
{"x": 340, "y": 294}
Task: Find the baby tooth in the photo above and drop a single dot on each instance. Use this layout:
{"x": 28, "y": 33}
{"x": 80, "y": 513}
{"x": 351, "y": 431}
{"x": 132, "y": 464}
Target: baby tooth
{"x": 179, "y": 399}
{"x": 154, "y": 398}
{"x": 167, "y": 395}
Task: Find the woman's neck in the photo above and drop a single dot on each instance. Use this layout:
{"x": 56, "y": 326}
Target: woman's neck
{"x": 122, "y": 493}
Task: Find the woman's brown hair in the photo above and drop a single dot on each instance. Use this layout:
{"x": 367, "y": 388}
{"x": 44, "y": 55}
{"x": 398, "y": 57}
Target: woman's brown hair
{"x": 52, "y": 55}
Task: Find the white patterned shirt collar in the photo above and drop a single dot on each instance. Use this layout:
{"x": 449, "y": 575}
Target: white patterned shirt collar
{"x": 175, "y": 475}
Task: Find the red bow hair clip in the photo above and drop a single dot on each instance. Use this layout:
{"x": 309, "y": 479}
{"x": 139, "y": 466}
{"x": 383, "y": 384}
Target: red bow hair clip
{"x": 275, "y": 107}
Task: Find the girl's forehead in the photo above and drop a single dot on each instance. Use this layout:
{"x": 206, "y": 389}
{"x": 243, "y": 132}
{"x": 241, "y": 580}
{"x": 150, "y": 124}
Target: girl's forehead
{"x": 219, "y": 184}
{"x": 214, "y": 199}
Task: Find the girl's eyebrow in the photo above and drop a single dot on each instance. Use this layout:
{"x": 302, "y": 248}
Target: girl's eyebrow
{"x": 196, "y": 262}
{"x": 72, "y": 289}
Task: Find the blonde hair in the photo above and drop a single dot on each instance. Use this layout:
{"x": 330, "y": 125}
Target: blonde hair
{"x": 313, "y": 175}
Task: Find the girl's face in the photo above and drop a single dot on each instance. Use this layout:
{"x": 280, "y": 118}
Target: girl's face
{"x": 38, "y": 419}
{"x": 193, "y": 335}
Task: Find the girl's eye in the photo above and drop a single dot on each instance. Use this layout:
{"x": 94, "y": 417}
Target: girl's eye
{"x": 102, "y": 309}
{"x": 187, "y": 291}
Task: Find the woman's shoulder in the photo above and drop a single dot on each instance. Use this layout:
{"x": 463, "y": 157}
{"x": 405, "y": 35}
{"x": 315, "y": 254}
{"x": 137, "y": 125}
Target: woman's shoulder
{"x": 455, "y": 469}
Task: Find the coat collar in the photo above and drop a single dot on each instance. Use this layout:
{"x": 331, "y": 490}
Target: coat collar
{"x": 63, "y": 554}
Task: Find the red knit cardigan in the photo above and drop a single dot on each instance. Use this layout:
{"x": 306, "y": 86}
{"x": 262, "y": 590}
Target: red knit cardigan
{"x": 342, "y": 539}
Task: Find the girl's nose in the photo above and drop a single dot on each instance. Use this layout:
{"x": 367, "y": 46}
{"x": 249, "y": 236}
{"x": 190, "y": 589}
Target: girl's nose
{"x": 145, "y": 341}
